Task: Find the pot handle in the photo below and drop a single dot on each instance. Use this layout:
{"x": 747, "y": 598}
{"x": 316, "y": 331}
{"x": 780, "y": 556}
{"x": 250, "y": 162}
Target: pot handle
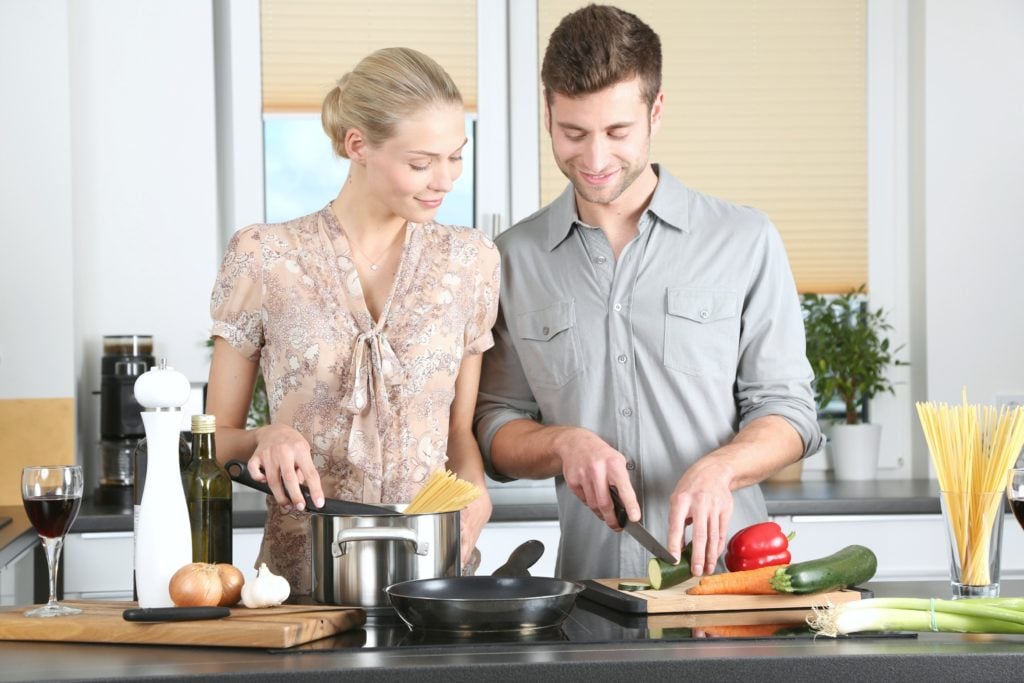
{"x": 375, "y": 533}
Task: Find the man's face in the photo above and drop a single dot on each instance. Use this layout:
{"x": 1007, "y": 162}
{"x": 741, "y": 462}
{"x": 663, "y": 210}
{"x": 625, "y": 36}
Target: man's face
{"x": 602, "y": 141}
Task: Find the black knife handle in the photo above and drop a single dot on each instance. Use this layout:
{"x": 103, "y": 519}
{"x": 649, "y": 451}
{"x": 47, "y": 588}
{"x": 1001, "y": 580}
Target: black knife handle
{"x": 620, "y": 510}
{"x": 174, "y": 613}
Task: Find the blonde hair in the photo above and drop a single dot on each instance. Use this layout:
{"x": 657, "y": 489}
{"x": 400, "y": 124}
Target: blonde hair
{"x": 384, "y": 88}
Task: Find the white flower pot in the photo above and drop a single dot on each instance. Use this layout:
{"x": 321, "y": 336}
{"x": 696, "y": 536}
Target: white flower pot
{"x": 854, "y": 451}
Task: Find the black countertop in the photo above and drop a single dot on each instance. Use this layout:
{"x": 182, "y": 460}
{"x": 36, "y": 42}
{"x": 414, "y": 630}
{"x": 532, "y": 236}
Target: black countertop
{"x": 107, "y": 510}
{"x": 617, "y": 649}
{"x": 111, "y": 510}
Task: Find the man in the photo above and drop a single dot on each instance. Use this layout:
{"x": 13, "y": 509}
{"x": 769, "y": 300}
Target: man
{"x": 649, "y": 336}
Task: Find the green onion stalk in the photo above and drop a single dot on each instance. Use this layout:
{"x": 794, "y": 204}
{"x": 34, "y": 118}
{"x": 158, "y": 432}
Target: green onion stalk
{"x": 977, "y": 615}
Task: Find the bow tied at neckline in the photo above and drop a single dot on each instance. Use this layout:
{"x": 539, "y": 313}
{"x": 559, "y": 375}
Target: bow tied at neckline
{"x": 375, "y": 367}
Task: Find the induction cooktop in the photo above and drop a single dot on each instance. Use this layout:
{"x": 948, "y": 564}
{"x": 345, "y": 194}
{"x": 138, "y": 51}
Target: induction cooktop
{"x": 588, "y": 622}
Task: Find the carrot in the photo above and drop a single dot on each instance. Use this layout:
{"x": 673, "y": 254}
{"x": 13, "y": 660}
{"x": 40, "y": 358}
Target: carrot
{"x": 747, "y": 582}
{"x": 743, "y": 630}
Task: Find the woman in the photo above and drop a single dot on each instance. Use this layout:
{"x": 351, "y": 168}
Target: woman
{"x": 366, "y": 318}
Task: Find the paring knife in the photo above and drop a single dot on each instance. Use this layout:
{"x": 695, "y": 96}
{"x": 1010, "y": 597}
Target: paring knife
{"x": 637, "y": 531}
{"x": 174, "y": 613}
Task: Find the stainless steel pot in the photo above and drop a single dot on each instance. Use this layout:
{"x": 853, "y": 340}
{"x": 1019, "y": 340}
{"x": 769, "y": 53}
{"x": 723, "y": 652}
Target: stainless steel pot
{"x": 355, "y": 558}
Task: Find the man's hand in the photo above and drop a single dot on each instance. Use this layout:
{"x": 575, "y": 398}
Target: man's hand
{"x": 702, "y": 498}
{"x": 590, "y": 466}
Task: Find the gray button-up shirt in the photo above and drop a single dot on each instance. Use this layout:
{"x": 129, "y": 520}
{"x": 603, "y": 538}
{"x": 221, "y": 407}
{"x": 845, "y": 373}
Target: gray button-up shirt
{"x": 664, "y": 353}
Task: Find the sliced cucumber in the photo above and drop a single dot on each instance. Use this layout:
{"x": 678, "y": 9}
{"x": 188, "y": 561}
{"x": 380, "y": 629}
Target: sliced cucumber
{"x": 664, "y": 575}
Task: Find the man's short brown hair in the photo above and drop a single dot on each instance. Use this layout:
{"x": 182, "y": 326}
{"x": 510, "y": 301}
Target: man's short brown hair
{"x": 598, "y": 46}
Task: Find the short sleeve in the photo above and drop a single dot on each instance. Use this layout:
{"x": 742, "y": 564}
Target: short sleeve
{"x": 237, "y": 300}
{"x": 478, "y": 336}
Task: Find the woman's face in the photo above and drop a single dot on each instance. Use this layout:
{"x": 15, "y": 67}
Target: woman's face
{"x": 410, "y": 173}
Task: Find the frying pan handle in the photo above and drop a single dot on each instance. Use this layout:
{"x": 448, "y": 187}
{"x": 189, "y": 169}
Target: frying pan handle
{"x": 239, "y": 472}
{"x": 375, "y": 533}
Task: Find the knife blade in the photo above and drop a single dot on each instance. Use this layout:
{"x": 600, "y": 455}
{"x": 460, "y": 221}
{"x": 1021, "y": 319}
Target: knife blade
{"x": 638, "y": 532}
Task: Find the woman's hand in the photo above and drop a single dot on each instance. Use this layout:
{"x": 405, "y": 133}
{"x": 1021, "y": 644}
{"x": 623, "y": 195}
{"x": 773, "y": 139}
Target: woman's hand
{"x": 473, "y": 518}
{"x": 282, "y": 459}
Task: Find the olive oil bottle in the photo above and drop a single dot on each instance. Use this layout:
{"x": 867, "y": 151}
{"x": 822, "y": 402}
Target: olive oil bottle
{"x": 208, "y": 494}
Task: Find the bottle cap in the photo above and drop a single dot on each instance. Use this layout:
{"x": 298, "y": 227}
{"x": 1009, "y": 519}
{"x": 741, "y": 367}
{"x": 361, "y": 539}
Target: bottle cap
{"x": 162, "y": 388}
{"x": 204, "y": 424}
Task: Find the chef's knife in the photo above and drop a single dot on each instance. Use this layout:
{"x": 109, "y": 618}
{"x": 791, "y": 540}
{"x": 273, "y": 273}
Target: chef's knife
{"x": 637, "y": 531}
{"x": 238, "y": 471}
{"x": 174, "y": 613}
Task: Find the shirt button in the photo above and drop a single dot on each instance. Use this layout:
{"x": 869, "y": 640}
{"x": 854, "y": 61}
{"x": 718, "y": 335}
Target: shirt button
{"x": 621, "y": 358}
{"x": 630, "y": 465}
{"x": 545, "y": 330}
{"x": 617, "y": 307}
{"x": 600, "y": 260}
{"x": 705, "y": 314}
{"x": 626, "y": 412}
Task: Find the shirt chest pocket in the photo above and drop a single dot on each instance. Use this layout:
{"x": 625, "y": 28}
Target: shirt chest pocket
{"x": 702, "y": 331}
{"x": 549, "y": 345}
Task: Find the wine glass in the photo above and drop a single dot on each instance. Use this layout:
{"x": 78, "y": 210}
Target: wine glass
{"x": 52, "y": 495}
{"x": 1015, "y": 493}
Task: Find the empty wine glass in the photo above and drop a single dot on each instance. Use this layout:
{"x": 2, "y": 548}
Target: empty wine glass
{"x": 52, "y": 496}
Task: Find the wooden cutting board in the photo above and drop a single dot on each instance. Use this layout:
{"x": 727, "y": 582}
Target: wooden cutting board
{"x": 676, "y": 600}
{"x": 101, "y": 622}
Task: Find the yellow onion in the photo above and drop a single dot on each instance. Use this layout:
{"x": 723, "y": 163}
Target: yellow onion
{"x": 231, "y": 581}
{"x": 196, "y": 585}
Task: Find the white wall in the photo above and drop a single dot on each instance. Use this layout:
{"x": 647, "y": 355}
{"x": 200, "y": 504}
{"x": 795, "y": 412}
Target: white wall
{"x": 974, "y": 198}
{"x": 144, "y": 172}
{"x": 36, "y": 316}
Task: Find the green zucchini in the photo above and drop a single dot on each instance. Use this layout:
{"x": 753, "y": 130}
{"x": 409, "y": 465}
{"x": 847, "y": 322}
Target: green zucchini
{"x": 663, "y": 575}
{"x": 852, "y": 565}
{"x": 633, "y": 585}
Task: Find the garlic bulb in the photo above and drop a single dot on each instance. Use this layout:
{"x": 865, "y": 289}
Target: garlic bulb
{"x": 266, "y": 590}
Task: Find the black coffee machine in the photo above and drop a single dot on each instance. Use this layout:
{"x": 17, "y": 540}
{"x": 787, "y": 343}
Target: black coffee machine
{"x": 125, "y": 357}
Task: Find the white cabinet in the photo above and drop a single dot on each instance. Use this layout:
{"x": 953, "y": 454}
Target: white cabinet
{"x": 908, "y": 547}
{"x": 99, "y": 565}
{"x": 499, "y": 539}
{"x": 16, "y": 579}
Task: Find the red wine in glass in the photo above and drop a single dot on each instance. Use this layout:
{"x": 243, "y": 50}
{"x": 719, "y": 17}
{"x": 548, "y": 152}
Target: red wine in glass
{"x": 52, "y": 496}
{"x": 52, "y": 515}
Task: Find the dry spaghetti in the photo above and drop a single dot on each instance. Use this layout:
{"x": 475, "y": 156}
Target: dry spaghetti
{"x": 443, "y": 492}
{"x": 973, "y": 448}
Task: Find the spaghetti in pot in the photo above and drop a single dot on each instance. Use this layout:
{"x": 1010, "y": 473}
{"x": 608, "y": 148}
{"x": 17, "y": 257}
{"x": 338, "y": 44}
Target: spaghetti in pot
{"x": 973, "y": 448}
{"x": 443, "y": 492}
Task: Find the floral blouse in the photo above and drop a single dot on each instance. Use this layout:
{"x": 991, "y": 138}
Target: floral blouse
{"x": 372, "y": 398}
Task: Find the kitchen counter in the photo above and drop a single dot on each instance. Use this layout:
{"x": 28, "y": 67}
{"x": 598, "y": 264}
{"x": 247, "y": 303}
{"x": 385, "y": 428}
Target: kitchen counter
{"x": 106, "y": 510}
{"x": 616, "y": 651}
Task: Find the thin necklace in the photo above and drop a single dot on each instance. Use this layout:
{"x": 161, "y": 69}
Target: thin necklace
{"x": 374, "y": 263}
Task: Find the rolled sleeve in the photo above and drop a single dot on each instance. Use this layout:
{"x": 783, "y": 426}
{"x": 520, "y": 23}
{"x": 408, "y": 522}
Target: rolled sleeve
{"x": 236, "y": 304}
{"x": 504, "y": 395}
{"x": 774, "y": 376}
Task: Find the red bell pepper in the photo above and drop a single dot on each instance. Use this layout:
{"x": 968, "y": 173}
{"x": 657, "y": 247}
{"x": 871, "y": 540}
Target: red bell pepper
{"x": 760, "y": 545}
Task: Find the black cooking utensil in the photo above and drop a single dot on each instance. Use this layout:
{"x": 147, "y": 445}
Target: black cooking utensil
{"x": 174, "y": 613}
{"x": 521, "y": 559}
{"x": 238, "y": 471}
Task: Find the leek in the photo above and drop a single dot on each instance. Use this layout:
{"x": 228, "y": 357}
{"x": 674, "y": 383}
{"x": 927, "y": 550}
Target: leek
{"x": 978, "y": 615}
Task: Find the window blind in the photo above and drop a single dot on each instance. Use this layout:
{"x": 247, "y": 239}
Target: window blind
{"x": 765, "y": 105}
{"x": 308, "y": 45}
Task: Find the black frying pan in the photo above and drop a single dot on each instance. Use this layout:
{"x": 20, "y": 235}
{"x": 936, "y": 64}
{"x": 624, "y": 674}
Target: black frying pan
{"x": 508, "y": 600}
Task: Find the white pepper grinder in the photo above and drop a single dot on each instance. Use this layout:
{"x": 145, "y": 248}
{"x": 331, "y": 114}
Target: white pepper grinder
{"x": 163, "y": 537}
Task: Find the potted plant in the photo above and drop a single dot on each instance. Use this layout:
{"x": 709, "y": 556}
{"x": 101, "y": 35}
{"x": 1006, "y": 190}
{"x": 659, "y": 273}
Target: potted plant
{"x": 850, "y": 354}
